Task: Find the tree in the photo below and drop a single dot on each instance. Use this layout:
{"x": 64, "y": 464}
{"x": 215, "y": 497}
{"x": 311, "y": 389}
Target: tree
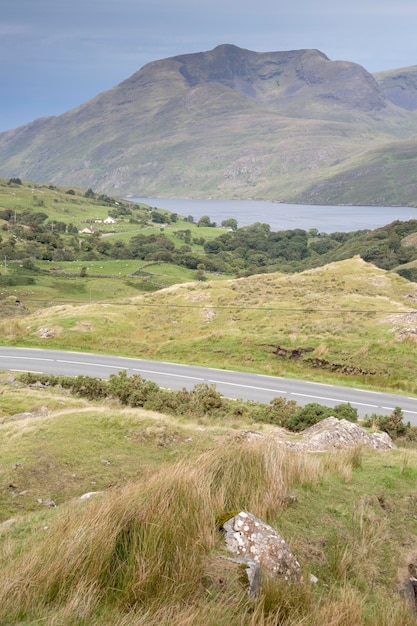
{"x": 213, "y": 246}
{"x": 230, "y": 222}
{"x": 204, "y": 221}
{"x": 157, "y": 217}
{"x": 28, "y": 264}
{"x": 199, "y": 274}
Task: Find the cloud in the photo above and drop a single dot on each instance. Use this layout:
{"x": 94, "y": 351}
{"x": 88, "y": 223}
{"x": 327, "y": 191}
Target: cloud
{"x": 57, "y": 53}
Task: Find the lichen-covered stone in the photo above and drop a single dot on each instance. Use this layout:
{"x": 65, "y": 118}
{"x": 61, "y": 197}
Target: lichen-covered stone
{"x": 248, "y": 536}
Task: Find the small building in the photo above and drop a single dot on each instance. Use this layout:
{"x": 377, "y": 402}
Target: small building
{"x": 89, "y": 230}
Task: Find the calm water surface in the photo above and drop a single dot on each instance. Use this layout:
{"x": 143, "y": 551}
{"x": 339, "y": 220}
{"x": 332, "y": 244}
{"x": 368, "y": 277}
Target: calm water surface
{"x": 280, "y": 216}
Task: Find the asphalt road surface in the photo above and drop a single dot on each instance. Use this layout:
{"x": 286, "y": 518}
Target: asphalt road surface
{"x": 231, "y": 384}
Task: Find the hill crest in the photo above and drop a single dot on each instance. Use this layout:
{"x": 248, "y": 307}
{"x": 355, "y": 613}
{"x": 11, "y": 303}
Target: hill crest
{"x": 227, "y": 123}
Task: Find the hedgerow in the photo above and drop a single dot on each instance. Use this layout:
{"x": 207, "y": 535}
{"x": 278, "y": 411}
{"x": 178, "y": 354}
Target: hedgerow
{"x": 205, "y": 401}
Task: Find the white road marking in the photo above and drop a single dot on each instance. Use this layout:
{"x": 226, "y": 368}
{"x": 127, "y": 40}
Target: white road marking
{"x": 113, "y": 367}
{"x": 223, "y": 382}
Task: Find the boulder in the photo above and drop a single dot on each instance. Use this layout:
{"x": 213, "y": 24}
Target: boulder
{"x": 327, "y": 435}
{"x": 253, "y": 573}
{"x": 249, "y": 537}
{"x": 332, "y": 433}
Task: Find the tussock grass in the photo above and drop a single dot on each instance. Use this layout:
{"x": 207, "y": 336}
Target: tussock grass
{"x": 143, "y": 553}
{"x": 146, "y": 544}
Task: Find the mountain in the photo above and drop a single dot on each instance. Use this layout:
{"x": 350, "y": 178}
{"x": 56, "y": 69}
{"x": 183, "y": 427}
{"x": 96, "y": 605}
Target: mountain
{"x": 227, "y": 123}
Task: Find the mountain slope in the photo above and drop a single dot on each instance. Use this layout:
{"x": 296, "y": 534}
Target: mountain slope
{"x": 224, "y": 123}
{"x": 385, "y": 175}
{"x": 400, "y": 86}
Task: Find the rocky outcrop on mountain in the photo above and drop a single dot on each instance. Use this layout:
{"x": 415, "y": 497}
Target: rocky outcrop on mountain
{"x": 399, "y": 86}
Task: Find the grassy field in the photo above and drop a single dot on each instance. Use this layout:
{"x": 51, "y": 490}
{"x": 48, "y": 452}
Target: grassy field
{"x": 72, "y": 205}
{"x": 148, "y": 550}
{"x": 87, "y": 281}
{"x": 78, "y": 282}
{"x": 356, "y": 322}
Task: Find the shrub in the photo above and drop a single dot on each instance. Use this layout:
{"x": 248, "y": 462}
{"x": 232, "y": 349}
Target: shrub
{"x": 131, "y": 390}
{"x": 206, "y": 399}
{"x": 392, "y": 424}
{"x": 307, "y": 416}
{"x": 14, "y": 281}
{"x": 277, "y": 412}
{"x": 346, "y": 411}
{"x": 91, "y": 388}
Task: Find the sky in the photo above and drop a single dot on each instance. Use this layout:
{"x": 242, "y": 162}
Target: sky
{"x": 57, "y": 54}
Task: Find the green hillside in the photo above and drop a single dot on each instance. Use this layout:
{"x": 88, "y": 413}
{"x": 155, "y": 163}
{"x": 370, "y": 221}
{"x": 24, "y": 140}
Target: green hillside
{"x": 385, "y": 175}
{"x": 354, "y": 319}
{"x": 227, "y": 123}
{"x": 69, "y": 245}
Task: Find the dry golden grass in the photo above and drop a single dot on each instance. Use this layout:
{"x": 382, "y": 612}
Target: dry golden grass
{"x": 147, "y": 542}
{"x": 144, "y": 553}
{"x": 350, "y": 313}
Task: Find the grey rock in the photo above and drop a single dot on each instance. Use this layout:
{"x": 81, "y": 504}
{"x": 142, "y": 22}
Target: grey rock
{"x": 253, "y": 572}
{"x": 248, "y": 536}
{"x": 329, "y": 434}
{"x": 90, "y": 494}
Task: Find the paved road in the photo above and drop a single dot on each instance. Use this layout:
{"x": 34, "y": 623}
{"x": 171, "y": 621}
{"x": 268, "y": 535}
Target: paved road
{"x": 229, "y": 383}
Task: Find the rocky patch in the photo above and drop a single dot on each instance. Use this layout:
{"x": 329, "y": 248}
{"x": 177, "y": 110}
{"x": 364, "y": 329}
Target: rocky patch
{"x": 328, "y": 435}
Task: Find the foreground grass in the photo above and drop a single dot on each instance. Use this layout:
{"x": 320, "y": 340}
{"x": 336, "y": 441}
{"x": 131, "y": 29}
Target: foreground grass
{"x": 57, "y": 447}
{"x": 148, "y": 549}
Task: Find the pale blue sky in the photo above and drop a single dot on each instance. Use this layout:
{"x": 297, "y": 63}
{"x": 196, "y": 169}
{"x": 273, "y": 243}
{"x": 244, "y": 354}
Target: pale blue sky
{"x": 57, "y": 54}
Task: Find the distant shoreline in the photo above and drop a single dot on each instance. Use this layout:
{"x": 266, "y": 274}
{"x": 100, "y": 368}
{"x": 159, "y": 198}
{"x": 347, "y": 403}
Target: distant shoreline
{"x": 285, "y": 216}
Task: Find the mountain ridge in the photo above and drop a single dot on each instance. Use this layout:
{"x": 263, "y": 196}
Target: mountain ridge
{"x": 227, "y": 123}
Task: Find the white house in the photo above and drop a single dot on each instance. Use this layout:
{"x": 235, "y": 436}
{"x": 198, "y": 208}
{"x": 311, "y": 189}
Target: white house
{"x": 89, "y": 230}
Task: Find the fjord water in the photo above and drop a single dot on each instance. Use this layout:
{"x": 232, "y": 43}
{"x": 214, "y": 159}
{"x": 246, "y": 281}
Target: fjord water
{"x": 280, "y": 216}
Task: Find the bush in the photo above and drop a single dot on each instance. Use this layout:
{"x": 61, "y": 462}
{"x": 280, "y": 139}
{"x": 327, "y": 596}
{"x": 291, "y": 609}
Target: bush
{"x": 313, "y": 413}
{"x": 16, "y": 280}
{"x": 91, "y": 388}
{"x": 131, "y": 390}
{"x": 277, "y": 412}
{"x": 206, "y": 399}
{"x": 391, "y": 424}
{"x": 307, "y": 416}
{"x": 346, "y": 412}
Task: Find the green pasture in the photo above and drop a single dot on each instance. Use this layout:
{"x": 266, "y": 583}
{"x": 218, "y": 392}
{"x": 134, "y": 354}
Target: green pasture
{"x": 84, "y": 211}
{"x": 94, "y": 281}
